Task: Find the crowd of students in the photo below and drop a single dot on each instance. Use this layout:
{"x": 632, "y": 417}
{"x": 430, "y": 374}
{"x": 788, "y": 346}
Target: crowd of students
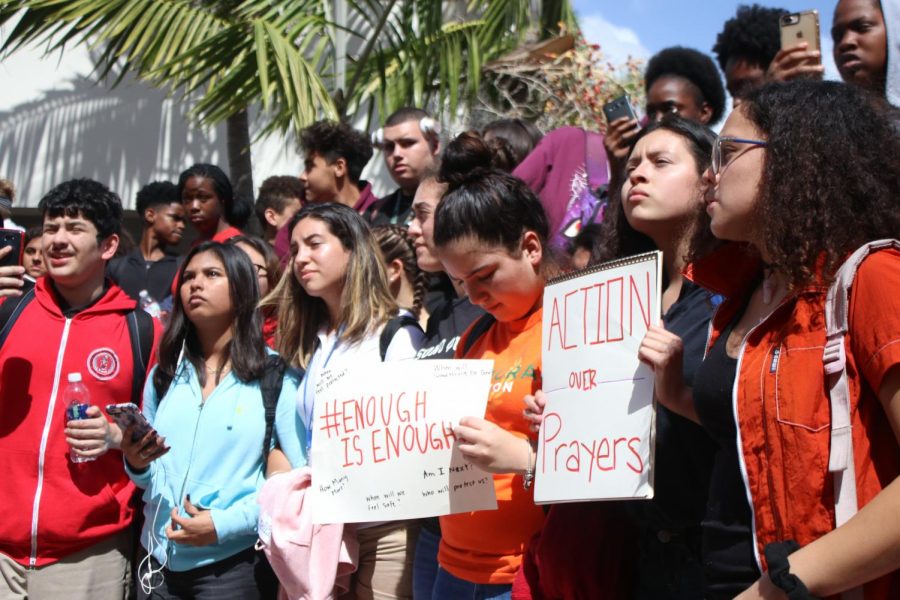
{"x": 778, "y": 400}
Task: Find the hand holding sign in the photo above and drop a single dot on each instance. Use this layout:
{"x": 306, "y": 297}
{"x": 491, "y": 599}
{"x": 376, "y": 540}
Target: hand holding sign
{"x": 664, "y": 352}
{"x": 534, "y": 409}
{"x": 491, "y": 448}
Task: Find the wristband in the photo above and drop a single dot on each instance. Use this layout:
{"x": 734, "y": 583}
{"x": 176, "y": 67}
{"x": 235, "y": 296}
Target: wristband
{"x": 780, "y": 570}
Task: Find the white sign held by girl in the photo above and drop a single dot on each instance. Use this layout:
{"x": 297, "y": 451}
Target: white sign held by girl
{"x": 384, "y": 447}
{"x": 596, "y": 439}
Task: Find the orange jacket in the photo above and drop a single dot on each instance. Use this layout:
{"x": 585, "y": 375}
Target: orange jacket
{"x": 781, "y": 402}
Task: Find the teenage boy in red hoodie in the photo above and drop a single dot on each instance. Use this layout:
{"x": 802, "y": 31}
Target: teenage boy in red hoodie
{"x": 65, "y": 526}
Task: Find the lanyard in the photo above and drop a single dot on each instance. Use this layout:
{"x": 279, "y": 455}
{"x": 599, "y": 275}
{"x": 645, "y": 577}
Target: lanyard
{"x": 309, "y": 403}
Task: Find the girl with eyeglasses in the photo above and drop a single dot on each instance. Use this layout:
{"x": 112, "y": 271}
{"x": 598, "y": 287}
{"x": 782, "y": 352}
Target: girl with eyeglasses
{"x": 805, "y": 173}
{"x": 268, "y": 272}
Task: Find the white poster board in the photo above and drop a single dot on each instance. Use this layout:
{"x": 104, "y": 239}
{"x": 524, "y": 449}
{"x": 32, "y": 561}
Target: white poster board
{"x": 596, "y": 438}
{"x": 383, "y": 447}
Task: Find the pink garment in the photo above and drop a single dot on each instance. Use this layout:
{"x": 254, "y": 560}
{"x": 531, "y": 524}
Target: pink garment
{"x": 313, "y": 562}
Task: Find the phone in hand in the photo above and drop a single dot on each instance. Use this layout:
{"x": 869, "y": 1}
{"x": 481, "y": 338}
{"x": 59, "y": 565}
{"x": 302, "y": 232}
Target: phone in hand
{"x": 800, "y": 27}
{"x": 618, "y": 108}
{"x": 14, "y": 239}
{"x": 127, "y": 414}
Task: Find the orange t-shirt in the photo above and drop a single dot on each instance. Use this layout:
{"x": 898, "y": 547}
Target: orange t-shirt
{"x": 487, "y": 546}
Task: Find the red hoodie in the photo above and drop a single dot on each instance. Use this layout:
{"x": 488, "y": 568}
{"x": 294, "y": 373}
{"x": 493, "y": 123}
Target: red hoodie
{"x": 52, "y": 507}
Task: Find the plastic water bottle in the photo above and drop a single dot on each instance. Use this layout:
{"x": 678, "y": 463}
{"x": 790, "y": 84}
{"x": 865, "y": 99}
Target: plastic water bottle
{"x": 77, "y": 399}
{"x": 148, "y": 304}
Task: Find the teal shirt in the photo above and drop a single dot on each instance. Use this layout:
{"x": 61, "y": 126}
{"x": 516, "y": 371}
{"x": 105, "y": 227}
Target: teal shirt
{"x": 215, "y": 459}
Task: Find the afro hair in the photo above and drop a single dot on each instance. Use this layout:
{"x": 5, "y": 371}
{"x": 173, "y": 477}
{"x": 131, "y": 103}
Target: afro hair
{"x": 694, "y": 66}
{"x": 752, "y": 35}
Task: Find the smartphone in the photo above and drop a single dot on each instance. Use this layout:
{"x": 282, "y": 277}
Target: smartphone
{"x": 15, "y": 239}
{"x": 800, "y": 27}
{"x": 618, "y": 108}
{"x": 128, "y": 414}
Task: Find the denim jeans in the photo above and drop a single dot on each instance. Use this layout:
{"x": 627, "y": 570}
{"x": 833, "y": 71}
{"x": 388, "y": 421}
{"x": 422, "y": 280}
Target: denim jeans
{"x": 450, "y": 587}
{"x": 425, "y": 565}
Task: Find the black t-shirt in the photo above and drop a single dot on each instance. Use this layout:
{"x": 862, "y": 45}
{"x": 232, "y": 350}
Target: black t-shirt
{"x": 132, "y": 273}
{"x": 393, "y": 209}
{"x": 729, "y": 564}
{"x": 684, "y": 456}
{"x": 446, "y": 324}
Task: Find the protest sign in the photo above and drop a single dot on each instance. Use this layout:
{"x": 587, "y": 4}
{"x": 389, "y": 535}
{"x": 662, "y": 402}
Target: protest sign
{"x": 383, "y": 445}
{"x": 595, "y": 441}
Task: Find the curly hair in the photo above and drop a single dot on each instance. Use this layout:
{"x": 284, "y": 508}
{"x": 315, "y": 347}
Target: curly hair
{"x": 619, "y": 239}
{"x": 694, "y": 66}
{"x": 88, "y": 198}
{"x": 752, "y": 34}
{"x": 332, "y": 140}
{"x": 830, "y": 176}
{"x": 275, "y": 193}
{"x": 396, "y": 244}
{"x": 156, "y": 193}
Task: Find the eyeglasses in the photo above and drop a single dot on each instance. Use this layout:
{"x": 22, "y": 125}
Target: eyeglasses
{"x": 721, "y": 159}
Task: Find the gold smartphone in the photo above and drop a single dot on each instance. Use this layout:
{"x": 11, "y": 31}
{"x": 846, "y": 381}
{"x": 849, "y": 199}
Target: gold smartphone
{"x": 800, "y": 27}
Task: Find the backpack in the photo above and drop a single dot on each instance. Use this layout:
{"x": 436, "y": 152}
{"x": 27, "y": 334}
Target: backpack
{"x": 392, "y": 327}
{"x": 834, "y": 358}
{"x": 140, "y": 330}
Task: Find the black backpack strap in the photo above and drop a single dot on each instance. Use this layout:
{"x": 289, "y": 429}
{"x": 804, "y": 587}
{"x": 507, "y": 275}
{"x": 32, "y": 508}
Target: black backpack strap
{"x": 270, "y": 386}
{"x": 477, "y": 330}
{"x": 10, "y": 311}
{"x": 140, "y": 329}
{"x": 391, "y": 328}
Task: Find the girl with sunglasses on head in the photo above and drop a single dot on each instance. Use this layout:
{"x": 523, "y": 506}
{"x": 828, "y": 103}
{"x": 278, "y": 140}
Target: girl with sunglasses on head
{"x": 803, "y": 174}
{"x": 204, "y": 398}
{"x": 333, "y": 307}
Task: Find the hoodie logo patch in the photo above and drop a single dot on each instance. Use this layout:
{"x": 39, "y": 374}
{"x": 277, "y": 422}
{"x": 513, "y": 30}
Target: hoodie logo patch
{"x": 103, "y": 364}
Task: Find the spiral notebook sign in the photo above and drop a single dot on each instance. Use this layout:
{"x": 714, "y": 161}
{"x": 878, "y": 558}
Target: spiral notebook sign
{"x": 596, "y": 439}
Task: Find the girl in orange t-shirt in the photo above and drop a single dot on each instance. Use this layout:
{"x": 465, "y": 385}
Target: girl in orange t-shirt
{"x": 490, "y": 234}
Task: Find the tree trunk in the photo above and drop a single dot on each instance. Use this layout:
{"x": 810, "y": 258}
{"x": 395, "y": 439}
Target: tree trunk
{"x": 239, "y": 161}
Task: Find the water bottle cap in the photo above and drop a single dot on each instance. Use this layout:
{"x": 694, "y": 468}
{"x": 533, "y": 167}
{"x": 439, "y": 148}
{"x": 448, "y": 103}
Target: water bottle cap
{"x": 143, "y": 294}
{"x": 74, "y": 377}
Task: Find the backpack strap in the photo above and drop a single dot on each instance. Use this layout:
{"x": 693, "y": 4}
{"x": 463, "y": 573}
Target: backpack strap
{"x": 837, "y": 311}
{"x": 391, "y": 328}
{"x": 478, "y": 329}
{"x": 140, "y": 330}
{"x": 10, "y": 311}
{"x": 270, "y": 386}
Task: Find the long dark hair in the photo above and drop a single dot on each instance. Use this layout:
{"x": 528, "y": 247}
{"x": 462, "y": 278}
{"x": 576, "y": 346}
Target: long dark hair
{"x": 236, "y": 210}
{"x": 619, "y": 238}
{"x": 830, "y": 176}
{"x": 246, "y": 350}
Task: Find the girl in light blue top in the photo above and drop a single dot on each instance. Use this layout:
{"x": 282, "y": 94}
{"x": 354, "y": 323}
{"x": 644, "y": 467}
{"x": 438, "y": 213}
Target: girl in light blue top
{"x": 205, "y": 400}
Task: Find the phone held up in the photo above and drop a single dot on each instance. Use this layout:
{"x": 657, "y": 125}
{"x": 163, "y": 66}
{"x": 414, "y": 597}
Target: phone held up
{"x": 14, "y": 239}
{"x": 800, "y": 27}
{"x": 618, "y": 108}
